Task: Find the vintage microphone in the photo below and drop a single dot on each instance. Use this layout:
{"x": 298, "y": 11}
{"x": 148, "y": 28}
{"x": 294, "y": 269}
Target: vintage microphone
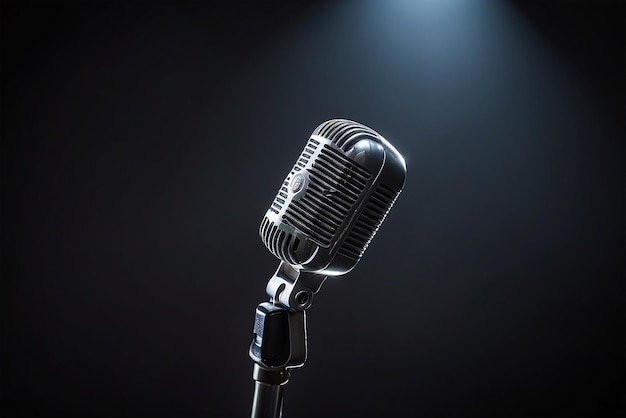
{"x": 325, "y": 214}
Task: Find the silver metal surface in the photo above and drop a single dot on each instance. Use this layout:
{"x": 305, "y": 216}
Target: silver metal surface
{"x": 293, "y": 288}
{"x": 267, "y": 401}
{"x": 325, "y": 214}
{"x": 331, "y": 204}
{"x": 268, "y": 392}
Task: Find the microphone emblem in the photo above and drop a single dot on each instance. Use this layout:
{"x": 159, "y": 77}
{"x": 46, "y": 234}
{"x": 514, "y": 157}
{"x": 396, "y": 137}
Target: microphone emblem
{"x": 297, "y": 183}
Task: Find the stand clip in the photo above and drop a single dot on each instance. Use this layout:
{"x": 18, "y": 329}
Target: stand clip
{"x": 279, "y": 337}
{"x": 292, "y": 288}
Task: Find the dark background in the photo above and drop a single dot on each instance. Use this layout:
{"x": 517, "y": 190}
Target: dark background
{"x": 142, "y": 144}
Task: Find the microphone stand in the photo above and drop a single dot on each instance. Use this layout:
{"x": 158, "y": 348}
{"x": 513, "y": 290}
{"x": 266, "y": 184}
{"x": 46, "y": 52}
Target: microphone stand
{"x": 280, "y": 338}
{"x": 268, "y": 392}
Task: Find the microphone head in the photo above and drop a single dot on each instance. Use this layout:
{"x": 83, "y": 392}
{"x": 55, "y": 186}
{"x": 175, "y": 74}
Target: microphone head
{"x": 333, "y": 201}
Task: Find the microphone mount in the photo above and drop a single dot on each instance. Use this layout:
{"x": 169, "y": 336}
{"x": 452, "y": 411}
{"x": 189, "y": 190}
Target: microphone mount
{"x": 280, "y": 325}
{"x": 292, "y": 288}
{"x": 280, "y": 336}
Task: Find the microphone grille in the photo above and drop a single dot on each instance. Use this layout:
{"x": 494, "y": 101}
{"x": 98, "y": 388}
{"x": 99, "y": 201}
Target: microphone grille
{"x": 335, "y": 184}
{"x": 341, "y": 131}
{"x": 331, "y": 204}
{"x": 368, "y": 222}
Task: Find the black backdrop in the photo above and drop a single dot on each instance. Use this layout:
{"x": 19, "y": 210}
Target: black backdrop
{"x": 141, "y": 145}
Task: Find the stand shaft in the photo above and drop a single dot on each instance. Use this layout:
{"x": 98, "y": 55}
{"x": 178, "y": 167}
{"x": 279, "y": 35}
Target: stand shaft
{"x": 268, "y": 401}
{"x": 268, "y": 392}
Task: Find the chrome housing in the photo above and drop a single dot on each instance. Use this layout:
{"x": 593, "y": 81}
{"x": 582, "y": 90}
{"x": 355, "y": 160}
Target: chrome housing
{"x": 333, "y": 201}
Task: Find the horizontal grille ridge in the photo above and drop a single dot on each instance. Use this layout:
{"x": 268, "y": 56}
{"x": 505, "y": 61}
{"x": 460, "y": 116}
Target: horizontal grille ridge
{"x": 335, "y": 184}
{"x": 340, "y": 131}
{"x": 277, "y": 241}
{"x": 309, "y": 150}
{"x": 279, "y": 200}
{"x": 368, "y": 222}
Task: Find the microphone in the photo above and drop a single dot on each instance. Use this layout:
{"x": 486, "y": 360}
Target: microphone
{"x": 335, "y": 198}
{"x": 320, "y": 223}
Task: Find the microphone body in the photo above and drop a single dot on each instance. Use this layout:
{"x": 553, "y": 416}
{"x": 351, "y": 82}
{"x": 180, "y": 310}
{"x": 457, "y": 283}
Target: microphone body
{"x": 335, "y": 198}
{"x": 325, "y": 214}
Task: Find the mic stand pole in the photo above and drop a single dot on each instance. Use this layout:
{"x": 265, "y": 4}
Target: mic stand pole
{"x": 280, "y": 340}
{"x": 268, "y": 392}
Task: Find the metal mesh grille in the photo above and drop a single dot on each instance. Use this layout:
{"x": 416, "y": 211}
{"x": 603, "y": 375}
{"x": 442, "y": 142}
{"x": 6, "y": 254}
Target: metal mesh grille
{"x": 335, "y": 183}
{"x": 340, "y": 131}
{"x": 283, "y": 193}
{"x": 279, "y": 200}
{"x": 277, "y": 241}
{"x": 368, "y": 222}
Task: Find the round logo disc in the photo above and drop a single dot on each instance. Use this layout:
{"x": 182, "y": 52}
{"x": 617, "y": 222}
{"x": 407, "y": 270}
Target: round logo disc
{"x": 297, "y": 183}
